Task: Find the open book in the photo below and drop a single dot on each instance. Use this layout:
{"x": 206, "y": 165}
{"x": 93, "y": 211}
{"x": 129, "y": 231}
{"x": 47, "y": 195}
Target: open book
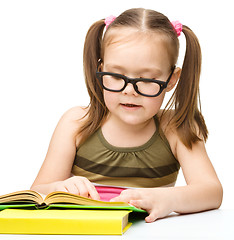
{"x": 28, "y": 198}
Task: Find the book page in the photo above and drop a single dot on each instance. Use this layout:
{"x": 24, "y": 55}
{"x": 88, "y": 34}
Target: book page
{"x": 26, "y": 196}
{"x": 64, "y": 197}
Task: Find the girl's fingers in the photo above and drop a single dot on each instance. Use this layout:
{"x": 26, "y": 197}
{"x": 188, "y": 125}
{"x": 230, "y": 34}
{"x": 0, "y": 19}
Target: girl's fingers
{"x": 115, "y": 199}
{"x": 61, "y": 188}
{"x": 86, "y": 189}
{"x": 151, "y": 218}
{"x": 79, "y": 186}
{"x": 82, "y": 189}
{"x": 153, "y": 215}
{"x": 91, "y": 190}
{"x": 126, "y": 196}
{"x": 72, "y": 188}
{"x": 138, "y": 204}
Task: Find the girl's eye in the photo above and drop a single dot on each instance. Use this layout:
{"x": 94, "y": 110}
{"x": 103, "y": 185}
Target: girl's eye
{"x": 148, "y": 77}
{"x": 116, "y": 78}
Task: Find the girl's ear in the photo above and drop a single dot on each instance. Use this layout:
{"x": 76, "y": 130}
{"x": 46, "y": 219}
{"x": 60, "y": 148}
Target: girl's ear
{"x": 174, "y": 79}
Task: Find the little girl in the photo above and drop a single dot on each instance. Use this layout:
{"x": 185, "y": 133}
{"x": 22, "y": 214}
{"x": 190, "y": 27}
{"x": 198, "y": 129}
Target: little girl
{"x": 123, "y": 147}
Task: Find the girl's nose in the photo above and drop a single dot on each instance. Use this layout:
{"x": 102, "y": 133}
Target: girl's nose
{"x": 130, "y": 90}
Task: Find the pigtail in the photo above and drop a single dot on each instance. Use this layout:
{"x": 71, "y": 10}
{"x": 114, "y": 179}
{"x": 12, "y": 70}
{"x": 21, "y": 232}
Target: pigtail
{"x": 92, "y": 53}
{"x": 188, "y": 119}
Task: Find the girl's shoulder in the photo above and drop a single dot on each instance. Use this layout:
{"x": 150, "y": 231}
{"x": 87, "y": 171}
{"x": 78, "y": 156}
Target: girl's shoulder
{"x": 72, "y": 120}
{"x": 76, "y": 113}
{"x": 170, "y": 131}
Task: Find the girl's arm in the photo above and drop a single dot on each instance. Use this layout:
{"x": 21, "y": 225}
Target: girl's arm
{"x": 55, "y": 173}
{"x": 202, "y": 192}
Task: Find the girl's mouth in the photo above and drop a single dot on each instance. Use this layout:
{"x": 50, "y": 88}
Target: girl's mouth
{"x": 130, "y": 105}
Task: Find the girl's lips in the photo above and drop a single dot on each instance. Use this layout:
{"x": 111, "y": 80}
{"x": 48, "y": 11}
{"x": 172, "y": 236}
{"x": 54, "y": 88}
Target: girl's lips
{"x": 130, "y": 106}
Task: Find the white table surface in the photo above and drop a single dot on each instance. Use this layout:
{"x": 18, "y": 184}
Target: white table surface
{"x": 215, "y": 224}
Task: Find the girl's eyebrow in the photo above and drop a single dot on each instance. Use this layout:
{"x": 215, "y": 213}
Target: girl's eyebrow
{"x": 115, "y": 67}
{"x": 153, "y": 71}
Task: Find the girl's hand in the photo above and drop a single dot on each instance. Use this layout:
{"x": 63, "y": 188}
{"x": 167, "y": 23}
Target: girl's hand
{"x": 78, "y": 185}
{"x": 156, "y": 201}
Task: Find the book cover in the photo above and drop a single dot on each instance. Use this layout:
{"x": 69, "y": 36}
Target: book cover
{"x": 90, "y": 222}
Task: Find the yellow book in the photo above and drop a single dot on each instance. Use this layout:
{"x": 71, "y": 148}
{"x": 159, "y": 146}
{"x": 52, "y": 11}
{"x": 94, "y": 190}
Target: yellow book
{"x": 90, "y": 222}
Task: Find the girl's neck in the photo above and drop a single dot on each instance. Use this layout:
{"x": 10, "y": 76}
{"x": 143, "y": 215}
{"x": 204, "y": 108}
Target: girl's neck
{"x": 124, "y": 135}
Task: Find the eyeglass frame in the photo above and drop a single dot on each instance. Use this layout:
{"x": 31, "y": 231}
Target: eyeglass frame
{"x": 133, "y": 81}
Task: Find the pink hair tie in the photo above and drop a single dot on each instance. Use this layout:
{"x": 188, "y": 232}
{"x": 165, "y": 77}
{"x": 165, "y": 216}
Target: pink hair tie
{"x": 177, "y": 26}
{"x": 109, "y": 20}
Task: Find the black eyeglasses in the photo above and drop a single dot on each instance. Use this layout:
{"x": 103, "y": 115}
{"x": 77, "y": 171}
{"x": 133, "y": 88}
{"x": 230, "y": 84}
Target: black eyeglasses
{"x": 147, "y": 87}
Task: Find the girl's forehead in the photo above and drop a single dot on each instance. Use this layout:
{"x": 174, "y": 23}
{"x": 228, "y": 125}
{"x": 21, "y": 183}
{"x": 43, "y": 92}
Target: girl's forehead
{"x": 123, "y": 35}
{"x": 136, "y": 50}
{"x": 127, "y": 38}
{"x": 123, "y": 40}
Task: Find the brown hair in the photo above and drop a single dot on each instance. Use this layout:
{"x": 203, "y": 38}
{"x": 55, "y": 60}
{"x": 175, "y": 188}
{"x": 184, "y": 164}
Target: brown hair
{"x": 187, "y": 119}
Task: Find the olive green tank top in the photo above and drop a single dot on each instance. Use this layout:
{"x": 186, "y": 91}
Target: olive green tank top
{"x": 149, "y": 165}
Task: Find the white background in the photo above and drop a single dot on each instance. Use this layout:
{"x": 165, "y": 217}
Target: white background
{"x": 41, "y": 76}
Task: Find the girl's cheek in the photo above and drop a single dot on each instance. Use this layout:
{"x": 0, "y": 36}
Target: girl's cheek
{"x": 110, "y": 98}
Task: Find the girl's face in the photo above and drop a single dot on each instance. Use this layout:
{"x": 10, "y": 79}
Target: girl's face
{"x": 135, "y": 55}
